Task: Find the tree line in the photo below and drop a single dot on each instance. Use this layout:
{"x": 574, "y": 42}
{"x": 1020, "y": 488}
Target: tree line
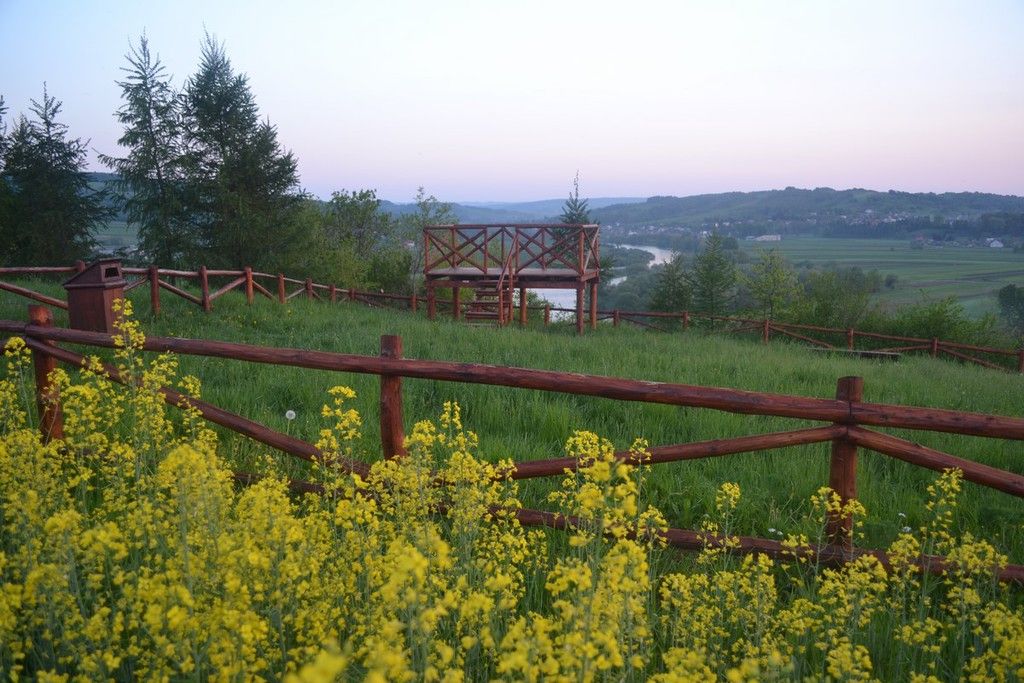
{"x": 203, "y": 178}
{"x": 719, "y": 279}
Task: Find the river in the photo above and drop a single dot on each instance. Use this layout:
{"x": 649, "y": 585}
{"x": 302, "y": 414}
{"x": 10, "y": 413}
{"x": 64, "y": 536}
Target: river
{"x": 566, "y": 298}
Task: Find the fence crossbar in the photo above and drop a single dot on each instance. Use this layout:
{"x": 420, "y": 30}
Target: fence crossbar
{"x": 713, "y": 448}
{"x": 227, "y": 288}
{"x": 35, "y": 296}
{"x": 932, "y": 459}
{"x": 716, "y": 398}
{"x": 180, "y": 292}
{"x": 232, "y": 421}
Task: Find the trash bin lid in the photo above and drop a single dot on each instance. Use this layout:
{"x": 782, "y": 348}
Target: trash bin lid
{"x": 102, "y": 274}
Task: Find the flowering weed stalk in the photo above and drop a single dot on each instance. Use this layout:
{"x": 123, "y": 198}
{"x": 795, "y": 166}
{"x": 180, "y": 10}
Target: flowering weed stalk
{"x": 128, "y": 552}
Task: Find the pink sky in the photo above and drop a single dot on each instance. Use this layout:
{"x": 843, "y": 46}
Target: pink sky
{"x": 506, "y": 100}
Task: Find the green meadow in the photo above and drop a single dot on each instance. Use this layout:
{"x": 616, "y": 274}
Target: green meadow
{"x": 523, "y": 424}
{"x": 971, "y": 274}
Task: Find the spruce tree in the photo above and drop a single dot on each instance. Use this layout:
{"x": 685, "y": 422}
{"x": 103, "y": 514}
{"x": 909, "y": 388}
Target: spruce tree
{"x": 5, "y": 188}
{"x": 52, "y": 212}
{"x": 712, "y": 277}
{"x": 671, "y": 289}
{"x": 152, "y": 184}
{"x": 243, "y": 187}
{"x": 575, "y": 210}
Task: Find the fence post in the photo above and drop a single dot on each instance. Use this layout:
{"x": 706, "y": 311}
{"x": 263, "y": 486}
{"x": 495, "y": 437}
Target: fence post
{"x": 579, "y": 304}
{"x": 593, "y": 304}
{"x": 686, "y": 320}
{"x": 392, "y": 437}
{"x": 334, "y": 293}
{"x": 309, "y": 288}
{"x": 842, "y": 476}
{"x": 615, "y": 318}
{"x": 849, "y": 339}
{"x": 204, "y": 286}
{"x": 935, "y": 347}
{"x": 766, "y": 331}
{"x": 249, "y": 293}
{"x": 281, "y": 298}
{"x": 431, "y": 302}
{"x": 154, "y": 290}
{"x": 547, "y": 314}
{"x": 79, "y": 266}
{"x": 523, "y": 299}
{"x": 51, "y": 422}
{"x": 456, "y": 303}
{"x": 414, "y": 303}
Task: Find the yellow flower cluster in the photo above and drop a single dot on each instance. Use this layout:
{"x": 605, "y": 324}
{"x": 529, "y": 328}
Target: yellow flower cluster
{"x": 129, "y": 553}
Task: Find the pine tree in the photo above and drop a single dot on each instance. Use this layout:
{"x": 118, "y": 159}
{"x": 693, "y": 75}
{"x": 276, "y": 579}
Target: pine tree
{"x": 243, "y": 186}
{"x": 575, "y": 210}
{"x": 152, "y": 183}
{"x": 52, "y": 211}
{"x": 712, "y": 277}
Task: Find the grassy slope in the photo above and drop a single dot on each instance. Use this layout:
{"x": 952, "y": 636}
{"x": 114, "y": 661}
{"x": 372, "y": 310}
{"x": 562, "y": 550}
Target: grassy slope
{"x": 530, "y": 424}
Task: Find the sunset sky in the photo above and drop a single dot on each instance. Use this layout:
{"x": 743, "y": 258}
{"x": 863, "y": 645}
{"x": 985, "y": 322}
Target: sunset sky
{"x": 506, "y": 100}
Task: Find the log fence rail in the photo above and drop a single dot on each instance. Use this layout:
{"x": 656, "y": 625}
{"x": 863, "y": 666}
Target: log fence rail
{"x": 847, "y": 415}
{"x": 275, "y": 287}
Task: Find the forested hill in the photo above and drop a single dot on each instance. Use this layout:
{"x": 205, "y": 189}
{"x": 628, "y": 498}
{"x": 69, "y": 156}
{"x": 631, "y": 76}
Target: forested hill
{"x": 820, "y": 205}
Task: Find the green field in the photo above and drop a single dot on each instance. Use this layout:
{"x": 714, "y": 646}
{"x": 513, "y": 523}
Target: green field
{"x": 116, "y": 235}
{"x": 530, "y": 424}
{"x": 972, "y": 275}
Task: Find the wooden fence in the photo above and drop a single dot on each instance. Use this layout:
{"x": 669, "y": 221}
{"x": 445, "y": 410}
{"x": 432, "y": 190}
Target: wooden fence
{"x": 847, "y": 419}
{"x": 276, "y": 288}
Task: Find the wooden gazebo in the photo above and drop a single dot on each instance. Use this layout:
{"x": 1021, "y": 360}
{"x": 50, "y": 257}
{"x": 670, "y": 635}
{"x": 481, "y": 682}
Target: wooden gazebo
{"x": 495, "y": 259}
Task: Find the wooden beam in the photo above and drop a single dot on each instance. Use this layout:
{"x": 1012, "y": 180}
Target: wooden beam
{"x": 843, "y": 469}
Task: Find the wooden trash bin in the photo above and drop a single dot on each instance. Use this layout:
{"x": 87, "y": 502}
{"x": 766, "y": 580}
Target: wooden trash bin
{"x": 91, "y": 295}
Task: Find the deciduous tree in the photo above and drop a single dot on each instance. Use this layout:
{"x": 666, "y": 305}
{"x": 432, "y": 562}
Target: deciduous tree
{"x": 772, "y": 282}
{"x": 429, "y": 211}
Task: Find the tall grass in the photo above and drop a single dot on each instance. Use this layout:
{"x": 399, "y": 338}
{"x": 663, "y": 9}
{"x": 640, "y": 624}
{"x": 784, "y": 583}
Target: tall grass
{"x": 523, "y": 425}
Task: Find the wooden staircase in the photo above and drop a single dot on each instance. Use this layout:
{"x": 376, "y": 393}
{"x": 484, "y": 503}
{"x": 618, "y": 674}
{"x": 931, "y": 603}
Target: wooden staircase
{"x": 492, "y": 303}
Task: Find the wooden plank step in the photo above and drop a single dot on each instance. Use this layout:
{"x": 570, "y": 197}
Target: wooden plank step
{"x": 481, "y": 315}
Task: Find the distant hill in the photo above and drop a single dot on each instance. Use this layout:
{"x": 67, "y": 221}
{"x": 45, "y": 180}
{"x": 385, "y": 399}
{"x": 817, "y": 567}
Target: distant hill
{"x": 467, "y": 214}
{"x": 550, "y": 208}
{"x": 763, "y": 209}
{"x": 512, "y": 212}
{"x": 791, "y": 204}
